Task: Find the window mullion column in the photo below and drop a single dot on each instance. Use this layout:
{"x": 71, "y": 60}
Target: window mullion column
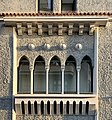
{"x": 78, "y": 79}
{"x": 63, "y": 70}
{"x": 47, "y": 78}
{"x": 31, "y": 77}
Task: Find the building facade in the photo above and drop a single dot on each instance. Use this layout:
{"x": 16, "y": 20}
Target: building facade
{"x": 55, "y": 60}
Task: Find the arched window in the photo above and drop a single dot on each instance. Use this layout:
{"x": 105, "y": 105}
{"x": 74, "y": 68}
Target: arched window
{"x": 39, "y": 75}
{"x": 86, "y": 75}
{"x": 55, "y": 76}
{"x": 69, "y": 5}
{"x": 24, "y": 82}
{"x": 45, "y": 5}
{"x": 70, "y": 75}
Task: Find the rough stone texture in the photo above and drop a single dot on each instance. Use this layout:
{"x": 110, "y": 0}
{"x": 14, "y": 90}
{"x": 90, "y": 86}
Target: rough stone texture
{"x": 70, "y": 117}
{"x": 57, "y": 6}
{"x": 30, "y": 5}
{"x": 105, "y": 72}
{"x": 5, "y": 73}
{"x": 94, "y": 5}
{"x": 17, "y": 5}
{"x": 55, "y": 41}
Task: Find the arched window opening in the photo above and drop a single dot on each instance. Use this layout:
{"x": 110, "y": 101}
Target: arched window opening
{"x": 69, "y": 5}
{"x": 55, "y": 81}
{"x": 39, "y": 76}
{"x": 61, "y": 107}
{"x": 24, "y": 82}
{"x": 86, "y": 75}
{"x": 80, "y": 107}
{"x": 23, "y": 107}
{"x": 55, "y": 107}
{"x": 35, "y": 107}
{"x": 48, "y": 107}
{"x": 70, "y": 75}
{"x": 87, "y": 107}
{"x": 74, "y": 107}
{"x": 45, "y": 5}
{"x": 29, "y": 107}
{"x": 67, "y": 107}
{"x": 42, "y": 107}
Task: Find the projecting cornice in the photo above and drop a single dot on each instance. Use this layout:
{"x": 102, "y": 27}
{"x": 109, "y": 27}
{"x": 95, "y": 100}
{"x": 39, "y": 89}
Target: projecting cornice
{"x": 59, "y": 23}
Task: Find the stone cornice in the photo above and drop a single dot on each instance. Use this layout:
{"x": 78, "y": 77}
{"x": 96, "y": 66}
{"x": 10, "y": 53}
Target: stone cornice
{"x": 55, "y": 22}
{"x": 58, "y": 14}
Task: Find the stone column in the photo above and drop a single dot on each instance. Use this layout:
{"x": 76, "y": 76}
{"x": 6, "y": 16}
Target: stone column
{"x": 78, "y": 79}
{"x": 31, "y": 77}
{"x": 57, "y": 6}
{"x": 62, "y": 69}
{"x": 47, "y": 74}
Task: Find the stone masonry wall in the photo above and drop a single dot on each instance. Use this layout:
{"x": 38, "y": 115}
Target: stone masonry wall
{"x": 5, "y": 73}
{"x": 94, "y": 5}
{"x": 17, "y": 6}
{"x": 105, "y": 72}
{"x": 30, "y": 6}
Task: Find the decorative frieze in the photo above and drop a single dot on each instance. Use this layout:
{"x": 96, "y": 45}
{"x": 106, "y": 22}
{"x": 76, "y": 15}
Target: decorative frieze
{"x": 53, "y": 28}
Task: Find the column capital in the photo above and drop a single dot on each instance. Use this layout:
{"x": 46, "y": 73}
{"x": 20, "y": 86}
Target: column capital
{"x": 62, "y": 67}
{"x": 31, "y": 67}
{"x": 47, "y": 67}
{"x": 78, "y": 67}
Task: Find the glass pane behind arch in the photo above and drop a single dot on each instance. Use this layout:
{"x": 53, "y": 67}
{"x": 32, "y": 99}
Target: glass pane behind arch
{"x": 55, "y": 82}
{"x": 39, "y": 77}
{"x": 24, "y": 77}
{"x": 85, "y": 79}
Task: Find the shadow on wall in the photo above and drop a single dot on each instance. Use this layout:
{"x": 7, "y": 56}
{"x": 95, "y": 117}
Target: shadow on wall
{"x": 6, "y": 79}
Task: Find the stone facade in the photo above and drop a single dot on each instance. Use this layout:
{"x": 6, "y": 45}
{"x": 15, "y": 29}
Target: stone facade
{"x": 30, "y": 6}
{"x": 104, "y": 55}
{"x": 105, "y": 72}
{"x": 5, "y": 73}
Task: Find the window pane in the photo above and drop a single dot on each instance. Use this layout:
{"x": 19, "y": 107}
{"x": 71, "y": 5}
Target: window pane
{"x": 86, "y": 75}
{"x": 68, "y": 5}
{"x": 70, "y": 76}
{"x": 24, "y": 77}
{"x": 45, "y": 5}
{"x": 55, "y": 77}
{"x": 39, "y": 76}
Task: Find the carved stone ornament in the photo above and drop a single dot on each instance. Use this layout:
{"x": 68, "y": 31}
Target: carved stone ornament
{"x": 47, "y": 46}
{"x": 63, "y": 46}
{"x": 31, "y": 46}
{"x": 78, "y": 46}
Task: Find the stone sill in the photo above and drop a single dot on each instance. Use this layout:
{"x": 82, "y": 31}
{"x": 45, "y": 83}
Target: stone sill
{"x": 55, "y": 96}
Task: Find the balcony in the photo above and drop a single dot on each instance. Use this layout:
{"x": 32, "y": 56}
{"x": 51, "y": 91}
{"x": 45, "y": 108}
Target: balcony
{"x": 55, "y": 105}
